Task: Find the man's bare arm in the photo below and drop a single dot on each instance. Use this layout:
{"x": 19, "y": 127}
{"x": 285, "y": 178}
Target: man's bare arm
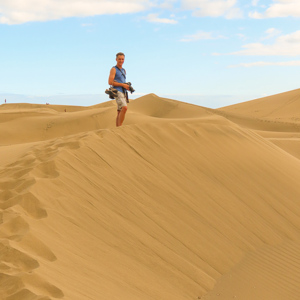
{"x": 112, "y": 75}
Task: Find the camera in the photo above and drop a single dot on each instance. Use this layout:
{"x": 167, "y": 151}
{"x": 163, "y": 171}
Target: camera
{"x": 131, "y": 89}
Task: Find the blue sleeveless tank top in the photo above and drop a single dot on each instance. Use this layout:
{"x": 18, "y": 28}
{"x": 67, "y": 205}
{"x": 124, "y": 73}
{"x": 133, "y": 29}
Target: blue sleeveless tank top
{"x": 120, "y": 78}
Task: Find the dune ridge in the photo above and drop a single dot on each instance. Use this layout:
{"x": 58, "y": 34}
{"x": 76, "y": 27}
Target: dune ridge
{"x": 183, "y": 202}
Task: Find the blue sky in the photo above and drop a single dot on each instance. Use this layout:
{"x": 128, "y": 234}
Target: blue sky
{"x": 207, "y": 52}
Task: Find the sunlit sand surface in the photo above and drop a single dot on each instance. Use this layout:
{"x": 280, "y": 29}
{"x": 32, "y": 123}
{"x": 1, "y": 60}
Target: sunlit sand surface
{"x": 182, "y": 202}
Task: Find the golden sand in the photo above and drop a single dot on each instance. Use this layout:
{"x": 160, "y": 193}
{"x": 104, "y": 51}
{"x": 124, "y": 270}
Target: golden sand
{"x": 182, "y": 202}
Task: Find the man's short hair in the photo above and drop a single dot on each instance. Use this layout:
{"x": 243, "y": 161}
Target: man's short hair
{"x": 120, "y": 53}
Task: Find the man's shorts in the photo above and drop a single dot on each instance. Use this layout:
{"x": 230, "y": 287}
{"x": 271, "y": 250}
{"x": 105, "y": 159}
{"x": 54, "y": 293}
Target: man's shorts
{"x": 121, "y": 100}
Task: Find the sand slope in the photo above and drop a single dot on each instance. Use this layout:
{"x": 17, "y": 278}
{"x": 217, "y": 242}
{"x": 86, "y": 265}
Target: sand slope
{"x": 183, "y": 202}
{"x": 276, "y": 118}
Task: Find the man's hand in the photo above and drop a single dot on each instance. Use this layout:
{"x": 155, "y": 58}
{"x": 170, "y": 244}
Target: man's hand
{"x": 125, "y": 86}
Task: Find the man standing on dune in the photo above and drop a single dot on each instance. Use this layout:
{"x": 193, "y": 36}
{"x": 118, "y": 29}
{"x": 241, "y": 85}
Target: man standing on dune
{"x": 117, "y": 78}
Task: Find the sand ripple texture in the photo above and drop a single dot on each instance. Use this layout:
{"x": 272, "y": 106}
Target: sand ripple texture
{"x": 182, "y": 202}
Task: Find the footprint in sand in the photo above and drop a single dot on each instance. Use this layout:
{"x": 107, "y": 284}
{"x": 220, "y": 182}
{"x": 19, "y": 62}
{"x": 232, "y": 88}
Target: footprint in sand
{"x": 17, "y": 185}
{"x": 25, "y": 294}
{"x": 45, "y": 154}
{"x": 24, "y": 162}
{"x": 17, "y": 261}
{"x": 32, "y": 206}
{"x": 8, "y": 203}
{"x": 14, "y": 229}
{"x": 27, "y": 201}
{"x": 16, "y": 288}
{"x": 45, "y": 169}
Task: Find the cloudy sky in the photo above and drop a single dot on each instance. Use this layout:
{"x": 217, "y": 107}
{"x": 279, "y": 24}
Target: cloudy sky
{"x": 207, "y": 52}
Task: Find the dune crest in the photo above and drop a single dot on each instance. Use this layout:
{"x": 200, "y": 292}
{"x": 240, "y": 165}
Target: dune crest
{"x": 182, "y": 202}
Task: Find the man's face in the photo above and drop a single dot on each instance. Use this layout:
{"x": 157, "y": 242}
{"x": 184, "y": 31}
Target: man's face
{"x": 120, "y": 60}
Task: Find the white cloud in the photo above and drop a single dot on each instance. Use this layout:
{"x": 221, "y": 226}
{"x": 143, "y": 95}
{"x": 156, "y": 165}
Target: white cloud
{"x": 264, "y": 64}
{"x": 200, "y": 35}
{"x": 153, "y": 18}
{"x": 213, "y": 8}
{"x": 255, "y": 15}
{"x": 167, "y": 4}
{"x": 288, "y": 45}
{"x": 242, "y": 36}
{"x": 270, "y": 33}
{"x": 279, "y": 8}
{"x": 18, "y": 12}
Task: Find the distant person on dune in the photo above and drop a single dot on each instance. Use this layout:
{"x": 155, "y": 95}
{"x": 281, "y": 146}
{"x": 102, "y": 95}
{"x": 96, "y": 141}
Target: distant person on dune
{"x": 117, "y": 78}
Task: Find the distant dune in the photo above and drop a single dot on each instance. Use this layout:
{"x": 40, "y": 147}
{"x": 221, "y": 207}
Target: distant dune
{"x": 182, "y": 202}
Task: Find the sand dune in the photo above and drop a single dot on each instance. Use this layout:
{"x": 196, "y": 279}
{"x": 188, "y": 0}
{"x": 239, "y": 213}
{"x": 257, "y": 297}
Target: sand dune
{"x": 280, "y": 107}
{"x": 182, "y": 202}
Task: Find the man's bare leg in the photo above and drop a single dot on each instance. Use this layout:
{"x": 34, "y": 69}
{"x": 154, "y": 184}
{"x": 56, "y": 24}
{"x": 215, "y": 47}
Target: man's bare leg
{"x": 117, "y": 119}
{"x": 121, "y": 116}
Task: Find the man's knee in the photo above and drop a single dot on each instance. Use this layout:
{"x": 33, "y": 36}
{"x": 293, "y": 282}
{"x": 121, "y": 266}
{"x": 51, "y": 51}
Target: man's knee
{"x": 124, "y": 109}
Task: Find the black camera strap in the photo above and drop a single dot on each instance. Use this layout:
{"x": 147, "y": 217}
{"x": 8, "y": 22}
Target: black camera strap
{"x": 121, "y": 71}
